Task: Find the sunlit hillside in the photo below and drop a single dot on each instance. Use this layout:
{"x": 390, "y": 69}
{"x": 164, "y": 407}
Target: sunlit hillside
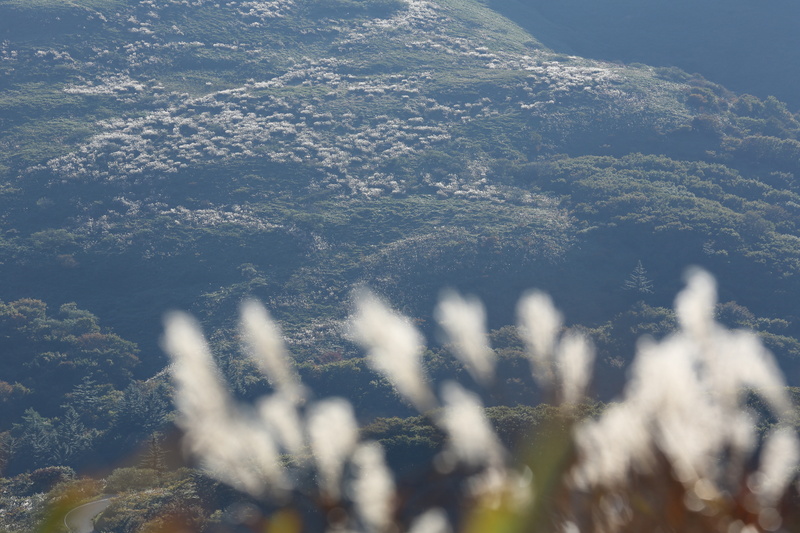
{"x": 189, "y": 154}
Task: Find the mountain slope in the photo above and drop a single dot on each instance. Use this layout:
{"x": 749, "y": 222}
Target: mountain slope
{"x": 160, "y": 154}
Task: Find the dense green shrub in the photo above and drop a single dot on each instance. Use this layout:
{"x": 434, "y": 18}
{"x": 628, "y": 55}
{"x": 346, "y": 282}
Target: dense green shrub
{"x": 131, "y": 479}
{"x": 44, "y": 479}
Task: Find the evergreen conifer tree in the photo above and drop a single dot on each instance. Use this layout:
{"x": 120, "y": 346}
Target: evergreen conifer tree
{"x": 638, "y": 280}
{"x": 155, "y": 457}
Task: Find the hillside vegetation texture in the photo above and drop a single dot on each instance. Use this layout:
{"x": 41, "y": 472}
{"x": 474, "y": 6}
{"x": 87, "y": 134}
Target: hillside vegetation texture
{"x": 162, "y": 155}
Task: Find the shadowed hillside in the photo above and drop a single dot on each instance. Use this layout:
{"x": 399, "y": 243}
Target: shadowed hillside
{"x": 750, "y": 47}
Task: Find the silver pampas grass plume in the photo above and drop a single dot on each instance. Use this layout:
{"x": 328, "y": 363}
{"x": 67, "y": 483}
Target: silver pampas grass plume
{"x": 333, "y": 435}
{"x": 682, "y": 433}
{"x": 574, "y": 358}
{"x": 538, "y": 323}
{"x": 373, "y": 487}
{"x": 266, "y": 347}
{"x": 432, "y": 521}
{"x": 394, "y": 348}
{"x": 471, "y": 438}
{"x": 464, "y": 322}
{"x": 685, "y": 399}
{"x": 223, "y": 436}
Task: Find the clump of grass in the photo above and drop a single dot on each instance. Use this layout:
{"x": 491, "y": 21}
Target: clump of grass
{"x": 679, "y": 451}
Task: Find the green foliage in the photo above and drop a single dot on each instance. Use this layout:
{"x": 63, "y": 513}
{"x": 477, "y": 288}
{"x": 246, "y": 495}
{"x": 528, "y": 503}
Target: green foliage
{"x": 780, "y": 154}
{"x": 410, "y": 443}
{"x": 49, "y": 355}
{"x": 143, "y": 408}
{"x": 73, "y": 326}
{"x": 144, "y": 505}
{"x": 616, "y": 340}
{"x": 63, "y": 402}
{"x": 707, "y": 214}
{"x": 11, "y": 394}
{"x": 354, "y": 380}
{"x": 96, "y": 404}
{"x": 35, "y": 440}
{"x": 154, "y": 457}
{"x": 766, "y": 117}
{"x": 55, "y": 240}
{"x": 506, "y": 339}
{"x": 132, "y": 479}
{"x": 523, "y": 428}
{"x": 345, "y": 8}
{"x": 38, "y": 441}
{"x": 45, "y": 479}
